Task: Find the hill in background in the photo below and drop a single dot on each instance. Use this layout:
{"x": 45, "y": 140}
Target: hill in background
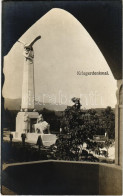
{"x": 15, "y": 104}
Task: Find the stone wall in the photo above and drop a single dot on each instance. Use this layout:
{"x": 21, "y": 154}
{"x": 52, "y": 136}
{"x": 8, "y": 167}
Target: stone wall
{"x": 64, "y": 178}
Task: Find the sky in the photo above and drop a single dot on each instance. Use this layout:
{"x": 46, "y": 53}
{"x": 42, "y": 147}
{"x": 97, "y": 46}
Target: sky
{"x": 65, "y": 48}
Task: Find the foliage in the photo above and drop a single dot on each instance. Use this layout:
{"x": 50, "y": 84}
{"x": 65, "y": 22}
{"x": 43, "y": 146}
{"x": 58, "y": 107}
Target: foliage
{"x": 76, "y": 130}
{"x": 79, "y": 127}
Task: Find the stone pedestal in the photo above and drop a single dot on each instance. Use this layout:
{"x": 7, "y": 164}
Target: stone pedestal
{"x": 20, "y": 124}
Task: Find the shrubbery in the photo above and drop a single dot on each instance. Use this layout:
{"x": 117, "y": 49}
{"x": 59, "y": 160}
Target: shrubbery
{"x": 79, "y": 127}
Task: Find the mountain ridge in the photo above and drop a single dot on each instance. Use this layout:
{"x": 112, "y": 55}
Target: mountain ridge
{"x": 15, "y": 104}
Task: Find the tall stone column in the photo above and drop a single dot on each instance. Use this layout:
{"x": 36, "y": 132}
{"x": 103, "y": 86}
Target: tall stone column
{"x": 119, "y": 123}
{"x": 28, "y": 93}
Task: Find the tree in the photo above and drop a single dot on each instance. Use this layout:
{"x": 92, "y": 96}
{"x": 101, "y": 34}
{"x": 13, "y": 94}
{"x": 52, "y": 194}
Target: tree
{"x": 77, "y": 128}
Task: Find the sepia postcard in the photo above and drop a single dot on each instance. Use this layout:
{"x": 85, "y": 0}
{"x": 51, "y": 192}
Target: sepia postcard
{"x": 62, "y": 88}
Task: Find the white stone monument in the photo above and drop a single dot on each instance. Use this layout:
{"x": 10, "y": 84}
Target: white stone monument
{"x": 27, "y": 116}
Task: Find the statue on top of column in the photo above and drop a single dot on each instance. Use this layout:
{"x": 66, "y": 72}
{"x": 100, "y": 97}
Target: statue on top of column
{"x": 28, "y": 49}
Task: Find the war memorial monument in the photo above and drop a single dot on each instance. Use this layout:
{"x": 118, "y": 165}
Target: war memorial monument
{"x": 28, "y": 120}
